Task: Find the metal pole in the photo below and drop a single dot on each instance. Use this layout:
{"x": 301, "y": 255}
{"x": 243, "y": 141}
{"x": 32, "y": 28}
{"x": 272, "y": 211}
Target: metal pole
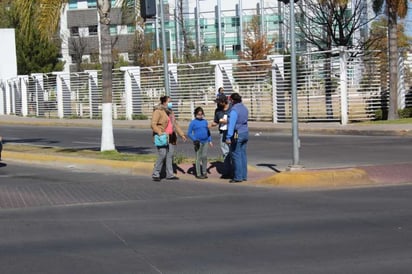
{"x": 170, "y": 45}
{"x": 157, "y": 32}
{"x": 197, "y": 27}
{"x": 262, "y": 19}
{"x": 177, "y": 35}
{"x": 165, "y": 63}
{"x": 295, "y": 130}
{"x": 241, "y": 24}
{"x": 219, "y": 21}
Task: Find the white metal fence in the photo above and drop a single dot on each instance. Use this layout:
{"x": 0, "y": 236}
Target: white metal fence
{"x": 340, "y": 87}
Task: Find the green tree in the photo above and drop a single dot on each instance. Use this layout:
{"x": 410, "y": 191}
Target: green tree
{"x": 33, "y": 54}
{"x": 394, "y": 9}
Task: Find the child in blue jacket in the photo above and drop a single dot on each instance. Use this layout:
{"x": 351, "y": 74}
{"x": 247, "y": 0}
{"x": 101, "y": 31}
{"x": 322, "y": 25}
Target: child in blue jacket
{"x": 199, "y": 133}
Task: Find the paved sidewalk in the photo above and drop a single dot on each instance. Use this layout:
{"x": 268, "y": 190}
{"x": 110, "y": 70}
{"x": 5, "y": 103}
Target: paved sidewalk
{"x": 354, "y": 176}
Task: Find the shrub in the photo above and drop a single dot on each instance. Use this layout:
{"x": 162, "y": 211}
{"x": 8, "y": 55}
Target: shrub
{"x": 405, "y": 113}
{"x": 139, "y": 117}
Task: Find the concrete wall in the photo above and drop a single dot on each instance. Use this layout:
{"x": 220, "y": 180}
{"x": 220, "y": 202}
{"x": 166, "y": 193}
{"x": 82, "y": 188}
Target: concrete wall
{"x": 8, "y": 59}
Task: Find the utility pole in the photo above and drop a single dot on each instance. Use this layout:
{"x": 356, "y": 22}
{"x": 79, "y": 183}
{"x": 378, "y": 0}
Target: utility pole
{"x": 295, "y": 127}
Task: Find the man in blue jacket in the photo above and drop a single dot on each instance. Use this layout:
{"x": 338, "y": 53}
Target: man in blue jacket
{"x": 238, "y": 136}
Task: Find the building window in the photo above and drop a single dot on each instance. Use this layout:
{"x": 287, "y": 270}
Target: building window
{"x": 113, "y": 29}
{"x": 91, "y": 4}
{"x": 222, "y": 24}
{"x": 72, "y": 4}
{"x": 74, "y": 31}
{"x": 235, "y": 48}
{"x": 235, "y": 21}
{"x": 131, "y": 28}
{"x": 203, "y": 23}
{"x": 93, "y": 30}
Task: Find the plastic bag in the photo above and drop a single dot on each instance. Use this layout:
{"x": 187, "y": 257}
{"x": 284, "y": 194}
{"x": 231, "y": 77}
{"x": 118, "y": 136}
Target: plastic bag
{"x": 161, "y": 140}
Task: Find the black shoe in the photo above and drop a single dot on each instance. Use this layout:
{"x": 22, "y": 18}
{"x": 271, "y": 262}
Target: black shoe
{"x": 156, "y": 179}
{"x": 235, "y": 181}
{"x": 201, "y": 177}
{"x": 225, "y": 177}
{"x": 173, "y": 178}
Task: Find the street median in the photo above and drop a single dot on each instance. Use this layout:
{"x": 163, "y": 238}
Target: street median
{"x": 302, "y": 178}
{"x": 318, "y": 178}
{"x": 87, "y": 164}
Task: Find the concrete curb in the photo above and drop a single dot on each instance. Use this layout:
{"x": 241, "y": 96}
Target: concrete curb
{"x": 88, "y": 164}
{"x": 307, "y": 179}
{"x": 319, "y": 178}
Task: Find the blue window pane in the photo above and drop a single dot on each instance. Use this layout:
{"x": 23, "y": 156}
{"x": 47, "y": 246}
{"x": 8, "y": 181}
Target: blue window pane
{"x": 72, "y": 4}
{"x": 113, "y": 30}
{"x": 91, "y": 4}
{"x": 131, "y": 28}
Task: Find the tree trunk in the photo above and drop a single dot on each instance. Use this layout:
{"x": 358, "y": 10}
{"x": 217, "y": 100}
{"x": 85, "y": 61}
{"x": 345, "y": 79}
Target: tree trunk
{"x": 393, "y": 65}
{"x": 107, "y": 141}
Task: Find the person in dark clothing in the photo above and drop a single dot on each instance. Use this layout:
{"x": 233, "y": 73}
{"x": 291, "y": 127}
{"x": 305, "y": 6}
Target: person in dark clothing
{"x": 220, "y": 120}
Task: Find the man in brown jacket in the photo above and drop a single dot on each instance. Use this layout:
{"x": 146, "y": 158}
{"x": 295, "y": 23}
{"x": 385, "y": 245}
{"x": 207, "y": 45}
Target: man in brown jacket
{"x": 164, "y": 122}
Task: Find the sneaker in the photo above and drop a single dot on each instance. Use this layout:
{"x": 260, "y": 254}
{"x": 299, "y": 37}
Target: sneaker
{"x": 173, "y": 178}
{"x": 235, "y": 181}
{"x": 201, "y": 177}
{"x": 156, "y": 179}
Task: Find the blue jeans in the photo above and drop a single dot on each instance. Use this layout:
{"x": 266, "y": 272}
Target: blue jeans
{"x": 239, "y": 156}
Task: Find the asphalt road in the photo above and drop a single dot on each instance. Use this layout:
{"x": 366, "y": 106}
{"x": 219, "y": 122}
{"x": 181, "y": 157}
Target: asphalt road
{"x": 66, "y": 221}
{"x": 264, "y": 149}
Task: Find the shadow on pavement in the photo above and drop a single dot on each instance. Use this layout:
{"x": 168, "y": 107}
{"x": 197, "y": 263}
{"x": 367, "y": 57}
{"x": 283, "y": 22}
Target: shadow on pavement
{"x": 270, "y": 166}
